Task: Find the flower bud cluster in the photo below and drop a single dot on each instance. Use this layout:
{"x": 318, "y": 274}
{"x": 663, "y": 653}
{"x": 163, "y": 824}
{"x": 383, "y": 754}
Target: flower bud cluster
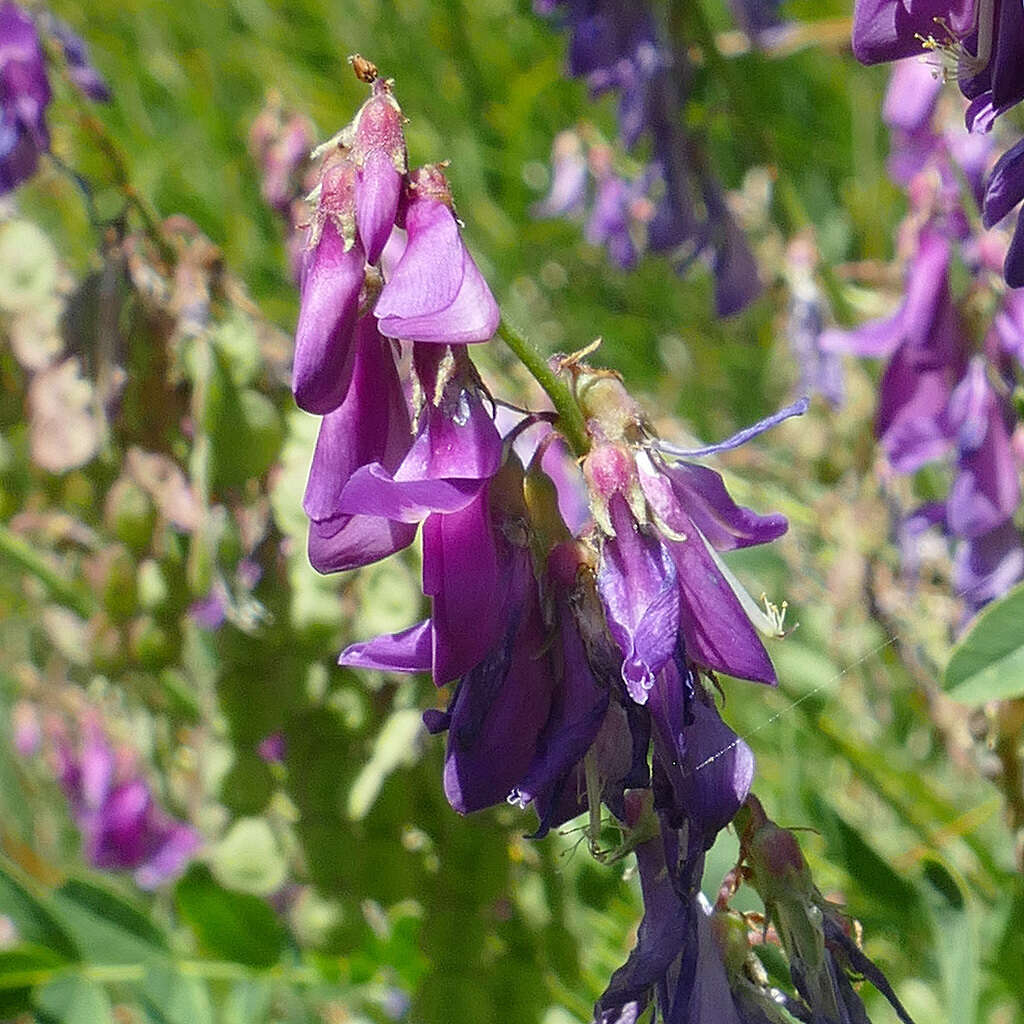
{"x": 946, "y": 396}
{"x": 675, "y": 205}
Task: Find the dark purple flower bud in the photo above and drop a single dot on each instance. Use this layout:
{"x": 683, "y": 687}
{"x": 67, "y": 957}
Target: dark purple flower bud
{"x": 579, "y": 703}
{"x": 501, "y": 705}
{"x": 376, "y": 144}
{"x": 122, "y": 827}
{"x": 436, "y": 292}
{"x": 370, "y": 426}
{"x": 886, "y": 30}
{"x": 24, "y": 96}
{"x": 332, "y": 279}
{"x": 568, "y": 178}
{"x": 1005, "y": 188}
{"x": 456, "y": 450}
{"x": 80, "y": 68}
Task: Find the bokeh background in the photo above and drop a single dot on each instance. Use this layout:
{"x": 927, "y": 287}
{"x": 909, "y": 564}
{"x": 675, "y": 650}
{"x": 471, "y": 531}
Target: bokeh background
{"x": 334, "y": 883}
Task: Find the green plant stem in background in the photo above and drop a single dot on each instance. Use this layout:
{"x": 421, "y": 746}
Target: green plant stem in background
{"x": 570, "y": 419}
{"x": 26, "y": 557}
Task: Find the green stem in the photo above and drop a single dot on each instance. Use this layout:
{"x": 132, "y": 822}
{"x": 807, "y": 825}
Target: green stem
{"x": 570, "y": 418}
{"x": 30, "y": 560}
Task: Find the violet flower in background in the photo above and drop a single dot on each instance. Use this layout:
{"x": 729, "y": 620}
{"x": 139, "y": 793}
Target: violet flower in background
{"x": 937, "y": 400}
{"x": 672, "y": 206}
{"x": 24, "y": 97}
{"x": 981, "y": 42}
{"x": 122, "y": 826}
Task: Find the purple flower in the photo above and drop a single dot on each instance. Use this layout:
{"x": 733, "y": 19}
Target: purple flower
{"x": 436, "y": 292}
{"x": 885, "y": 30}
{"x": 1005, "y": 189}
{"x": 332, "y": 279}
{"x": 371, "y": 426}
{"x": 122, "y": 827}
{"x": 986, "y": 490}
{"x": 80, "y": 68}
{"x": 24, "y": 96}
{"x": 457, "y": 448}
{"x": 987, "y": 566}
{"x": 925, "y": 340}
{"x": 273, "y": 748}
{"x": 465, "y": 572}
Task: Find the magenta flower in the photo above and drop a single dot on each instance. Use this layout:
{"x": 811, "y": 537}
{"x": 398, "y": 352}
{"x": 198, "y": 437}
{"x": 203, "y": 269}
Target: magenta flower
{"x": 456, "y": 450}
{"x": 332, "y": 279}
{"x": 24, "y": 96}
{"x": 436, "y": 292}
{"x": 122, "y": 827}
{"x": 371, "y": 426}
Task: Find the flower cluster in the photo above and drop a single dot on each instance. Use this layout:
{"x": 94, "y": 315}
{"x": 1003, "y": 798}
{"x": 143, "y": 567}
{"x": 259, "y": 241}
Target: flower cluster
{"x": 25, "y": 88}
{"x": 673, "y": 206}
{"x": 579, "y": 609}
{"x": 981, "y": 44}
{"x": 942, "y": 394}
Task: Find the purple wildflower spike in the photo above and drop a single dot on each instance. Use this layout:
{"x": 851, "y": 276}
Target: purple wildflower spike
{"x": 436, "y": 292}
{"x": 24, "y": 96}
{"x": 609, "y": 221}
{"x": 370, "y": 426}
{"x": 376, "y": 144}
{"x": 332, "y": 279}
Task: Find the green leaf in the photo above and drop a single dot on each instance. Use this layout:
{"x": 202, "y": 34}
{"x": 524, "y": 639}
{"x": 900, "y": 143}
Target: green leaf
{"x": 105, "y": 925}
{"x": 229, "y": 925}
{"x": 33, "y": 919}
{"x": 73, "y": 1000}
{"x": 170, "y": 998}
{"x": 248, "y": 1002}
{"x": 955, "y": 939}
{"x": 988, "y": 663}
{"x": 21, "y": 969}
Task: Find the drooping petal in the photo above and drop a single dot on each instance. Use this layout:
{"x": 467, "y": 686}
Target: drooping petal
{"x": 411, "y": 650}
{"x": 350, "y": 542}
{"x": 501, "y": 705}
{"x": 702, "y": 494}
{"x": 466, "y": 581}
{"x": 986, "y": 567}
{"x": 371, "y": 425}
{"x": 716, "y": 629}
